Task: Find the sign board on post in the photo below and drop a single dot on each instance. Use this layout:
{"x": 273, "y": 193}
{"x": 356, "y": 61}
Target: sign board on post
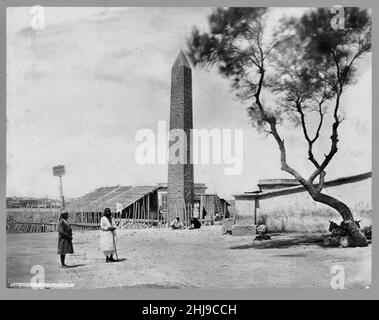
{"x": 58, "y": 171}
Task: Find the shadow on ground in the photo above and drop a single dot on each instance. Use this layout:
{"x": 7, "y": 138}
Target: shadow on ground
{"x": 75, "y": 266}
{"x": 154, "y": 286}
{"x": 284, "y": 242}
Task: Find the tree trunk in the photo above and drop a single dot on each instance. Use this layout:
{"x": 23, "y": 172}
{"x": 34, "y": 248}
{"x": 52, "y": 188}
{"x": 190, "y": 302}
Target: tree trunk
{"x": 352, "y": 229}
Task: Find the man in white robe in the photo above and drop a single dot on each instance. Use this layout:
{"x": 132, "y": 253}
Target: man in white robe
{"x": 176, "y": 224}
{"x": 108, "y": 239}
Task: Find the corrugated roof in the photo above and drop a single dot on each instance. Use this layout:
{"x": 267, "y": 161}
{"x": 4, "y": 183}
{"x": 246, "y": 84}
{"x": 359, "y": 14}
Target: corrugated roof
{"x": 130, "y": 196}
{"x": 101, "y": 198}
{"x": 108, "y": 197}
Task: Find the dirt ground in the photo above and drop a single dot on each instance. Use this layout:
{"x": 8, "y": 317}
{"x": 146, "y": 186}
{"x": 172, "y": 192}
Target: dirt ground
{"x": 204, "y": 258}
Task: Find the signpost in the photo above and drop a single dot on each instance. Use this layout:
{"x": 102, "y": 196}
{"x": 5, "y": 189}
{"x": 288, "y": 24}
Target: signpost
{"x": 59, "y": 171}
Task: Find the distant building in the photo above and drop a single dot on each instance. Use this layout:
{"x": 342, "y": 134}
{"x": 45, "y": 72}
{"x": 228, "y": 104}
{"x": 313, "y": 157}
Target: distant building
{"x": 273, "y": 184}
{"x": 285, "y": 205}
{"x": 144, "y": 203}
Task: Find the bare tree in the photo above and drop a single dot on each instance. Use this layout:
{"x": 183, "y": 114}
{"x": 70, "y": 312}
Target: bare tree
{"x": 305, "y": 63}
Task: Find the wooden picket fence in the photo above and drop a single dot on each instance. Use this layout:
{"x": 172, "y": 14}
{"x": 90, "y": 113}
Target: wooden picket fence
{"x": 30, "y": 220}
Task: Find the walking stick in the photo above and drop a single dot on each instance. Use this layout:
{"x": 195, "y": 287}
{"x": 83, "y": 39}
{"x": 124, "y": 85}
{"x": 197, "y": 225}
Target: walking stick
{"x": 114, "y": 244}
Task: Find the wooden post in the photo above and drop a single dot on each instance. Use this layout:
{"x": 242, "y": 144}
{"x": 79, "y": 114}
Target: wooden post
{"x": 144, "y": 209}
{"x": 184, "y": 214}
{"x": 184, "y": 208}
{"x": 213, "y": 208}
{"x": 139, "y": 211}
{"x": 201, "y": 208}
{"x": 61, "y": 192}
{"x": 148, "y": 209}
{"x": 256, "y": 209}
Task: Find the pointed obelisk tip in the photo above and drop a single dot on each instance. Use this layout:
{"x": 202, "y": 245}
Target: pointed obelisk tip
{"x": 181, "y": 60}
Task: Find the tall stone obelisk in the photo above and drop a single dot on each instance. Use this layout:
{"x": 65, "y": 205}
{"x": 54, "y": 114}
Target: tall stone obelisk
{"x": 180, "y": 175}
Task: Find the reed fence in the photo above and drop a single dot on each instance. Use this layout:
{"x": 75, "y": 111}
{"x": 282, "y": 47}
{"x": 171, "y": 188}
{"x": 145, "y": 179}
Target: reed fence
{"x": 30, "y": 220}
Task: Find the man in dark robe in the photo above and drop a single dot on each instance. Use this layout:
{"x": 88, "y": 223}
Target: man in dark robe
{"x": 64, "y": 238}
{"x": 195, "y": 223}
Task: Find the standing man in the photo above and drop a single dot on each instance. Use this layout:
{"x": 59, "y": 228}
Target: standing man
{"x": 108, "y": 236}
{"x": 64, "y": 238}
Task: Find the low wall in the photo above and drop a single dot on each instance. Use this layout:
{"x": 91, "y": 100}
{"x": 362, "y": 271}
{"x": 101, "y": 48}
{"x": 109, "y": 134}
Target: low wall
{"x": 298, "y": 212}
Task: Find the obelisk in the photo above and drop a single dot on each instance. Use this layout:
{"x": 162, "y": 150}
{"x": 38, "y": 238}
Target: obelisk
{"x": 180, "y": 175}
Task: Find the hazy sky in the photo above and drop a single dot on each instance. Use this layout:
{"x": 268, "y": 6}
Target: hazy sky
{"x": 78, "y": 91}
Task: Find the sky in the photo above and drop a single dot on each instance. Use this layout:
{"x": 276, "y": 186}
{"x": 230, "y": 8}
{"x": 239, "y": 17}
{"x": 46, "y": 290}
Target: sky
{"x": 80, "y": 89}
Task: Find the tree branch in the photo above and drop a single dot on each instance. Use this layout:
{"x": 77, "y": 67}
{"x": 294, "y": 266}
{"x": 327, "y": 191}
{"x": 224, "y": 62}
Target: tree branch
{"x": 272, "y": 123}
{"x": 333, "y": 137}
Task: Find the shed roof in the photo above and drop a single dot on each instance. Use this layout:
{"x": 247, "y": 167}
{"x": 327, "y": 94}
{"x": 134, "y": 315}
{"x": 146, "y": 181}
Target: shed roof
{"x": 108, "y": 197}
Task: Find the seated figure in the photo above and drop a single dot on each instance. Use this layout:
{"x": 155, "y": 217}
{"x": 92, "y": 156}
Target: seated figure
{"x": 176, "y": 224}
{"x": 195, "y": 223}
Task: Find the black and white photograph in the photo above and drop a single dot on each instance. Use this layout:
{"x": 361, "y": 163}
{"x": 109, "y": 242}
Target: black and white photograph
{"x": 188, "y": 147}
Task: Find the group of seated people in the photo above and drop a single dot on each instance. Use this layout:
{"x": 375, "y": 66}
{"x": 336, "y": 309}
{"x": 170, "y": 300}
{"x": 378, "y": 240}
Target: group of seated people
{"x": 177, "y": 224}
